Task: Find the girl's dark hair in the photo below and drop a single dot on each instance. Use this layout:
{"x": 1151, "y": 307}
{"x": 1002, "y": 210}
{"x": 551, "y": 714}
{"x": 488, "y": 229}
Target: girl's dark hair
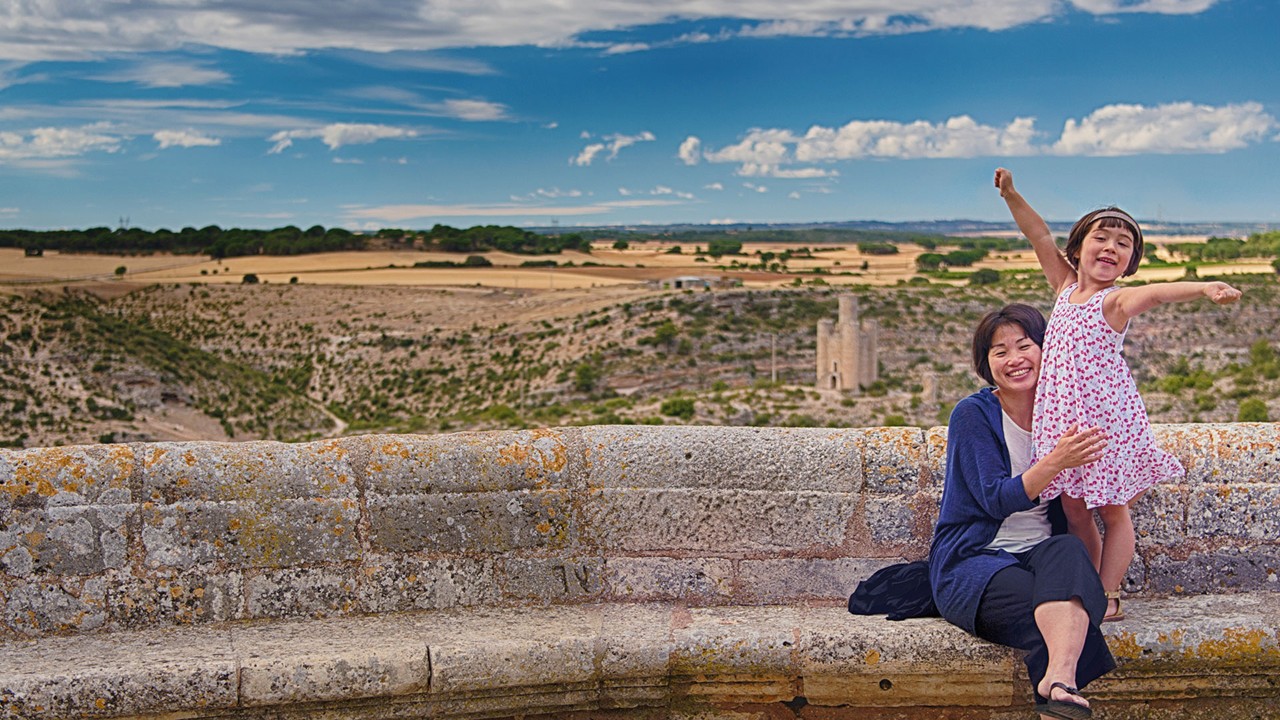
{"x": 1024, "y": 316}
{"x": 1078, "y": 232}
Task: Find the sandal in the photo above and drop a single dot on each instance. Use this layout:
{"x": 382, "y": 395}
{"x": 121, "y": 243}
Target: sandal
{"x": 1065, "y": 708}
{"x": 1119, "y": 613}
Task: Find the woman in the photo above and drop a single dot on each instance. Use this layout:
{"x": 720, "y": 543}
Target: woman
{"x": 1001, "y": 564}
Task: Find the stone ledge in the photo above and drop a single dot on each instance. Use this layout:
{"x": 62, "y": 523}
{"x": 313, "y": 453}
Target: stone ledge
{"x": 1213, "y": 652}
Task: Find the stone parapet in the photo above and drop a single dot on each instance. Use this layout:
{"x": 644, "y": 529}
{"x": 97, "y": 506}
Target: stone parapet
{"x": 674, "y": 568}
{"x": 118, "y": 537}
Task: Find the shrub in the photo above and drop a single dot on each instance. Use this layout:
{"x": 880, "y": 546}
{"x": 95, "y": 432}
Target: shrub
{"x": 250, "y": 279}
{"x": 680, "y": 407}
{"x": 985, "y": 276}
{"x": 1253, "y": 410}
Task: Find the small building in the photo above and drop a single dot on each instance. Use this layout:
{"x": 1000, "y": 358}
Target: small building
{"x": 691, "y": 282}
{"x": 35, "y": 252}
{"x": 847, "y": 355}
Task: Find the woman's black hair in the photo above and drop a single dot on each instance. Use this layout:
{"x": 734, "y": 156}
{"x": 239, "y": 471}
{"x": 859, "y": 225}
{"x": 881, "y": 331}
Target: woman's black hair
{"x": 1026, "y": 317}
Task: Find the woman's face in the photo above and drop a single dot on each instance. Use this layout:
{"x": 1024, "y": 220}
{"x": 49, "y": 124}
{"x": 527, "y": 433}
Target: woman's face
{"x": 1014, "y": 359}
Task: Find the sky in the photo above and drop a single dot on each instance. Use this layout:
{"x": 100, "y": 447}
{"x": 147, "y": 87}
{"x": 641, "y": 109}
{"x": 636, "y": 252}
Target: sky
{"x": 367, "y": 114}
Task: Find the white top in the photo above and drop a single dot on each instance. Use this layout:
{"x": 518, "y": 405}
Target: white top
{"x": 1024, "y": 530}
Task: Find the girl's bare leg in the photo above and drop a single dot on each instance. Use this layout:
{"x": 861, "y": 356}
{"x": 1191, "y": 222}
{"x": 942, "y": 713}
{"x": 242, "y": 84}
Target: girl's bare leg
{"x": 1080, "y": 523}
{"x": 1117, "y": 549}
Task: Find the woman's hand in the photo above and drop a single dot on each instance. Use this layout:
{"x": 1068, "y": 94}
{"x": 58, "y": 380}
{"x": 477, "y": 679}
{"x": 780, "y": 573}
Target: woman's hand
{"x": 1078, "y": 447}
{"x": 1004, "y": 182}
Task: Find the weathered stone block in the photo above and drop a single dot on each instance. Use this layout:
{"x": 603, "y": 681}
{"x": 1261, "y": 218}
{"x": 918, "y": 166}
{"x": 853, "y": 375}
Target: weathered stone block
{"x": 891, "y": 520}
{"x": 1245, "y": 453}
{"x": 784, "y": 580}
{"x": 333, "y": 659}
{"x": 716, "y": 521}
{"x": 757, "y": 643}
{"x": 777, "y": 459}
{"x": 392, "y": 583}
{"x": 1159, "y": 516}
{"x": 1191, "y": 445}
{"x": 64, "y": 540}
{"x": 482, "y": 649}
{"x": 251, "y": 472}
{"x": 489, "y": 522}
{"x": 665, "y": 578}
{"x": 121, "y": 674}
{"x": 298, "y": 591}
{"x": 552, "y": 579}
{"x": 49, "y": 607}
{"x": 1228, "y": 569}
{"x": 170, "y": 597}
{"x": 868, "y": 661}
{"x": 264, "y": 533}
{"x": 1241, "y": 511}
{"x": 472, "y": 461}
{"x": 896, "y": 459}
{"x": 73, "y": 475}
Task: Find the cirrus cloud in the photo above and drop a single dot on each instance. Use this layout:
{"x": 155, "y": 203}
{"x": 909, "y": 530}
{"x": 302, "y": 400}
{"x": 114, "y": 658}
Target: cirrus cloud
{"x": 337, "y": 135}
{"x": 184, "y": 139}
{"x": 74, "y": 29}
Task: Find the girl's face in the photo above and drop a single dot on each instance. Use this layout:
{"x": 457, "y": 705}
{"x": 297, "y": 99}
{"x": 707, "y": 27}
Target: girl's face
{"x": 1014, "y": 359}
{"x": 1105, "y": 253}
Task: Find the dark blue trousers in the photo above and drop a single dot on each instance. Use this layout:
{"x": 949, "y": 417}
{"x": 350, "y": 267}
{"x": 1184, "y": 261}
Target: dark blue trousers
{"x": 1057, "y": 569}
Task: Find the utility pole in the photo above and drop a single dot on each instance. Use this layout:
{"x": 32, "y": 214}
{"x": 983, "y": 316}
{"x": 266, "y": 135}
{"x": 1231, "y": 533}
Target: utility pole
{"x": 773, "y": 364}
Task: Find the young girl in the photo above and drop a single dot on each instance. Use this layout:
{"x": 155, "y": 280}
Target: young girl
{"x": 1085, "y": 380}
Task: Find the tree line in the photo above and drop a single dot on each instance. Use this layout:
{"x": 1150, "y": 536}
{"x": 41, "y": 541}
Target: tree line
{"x": 217, "y": 242}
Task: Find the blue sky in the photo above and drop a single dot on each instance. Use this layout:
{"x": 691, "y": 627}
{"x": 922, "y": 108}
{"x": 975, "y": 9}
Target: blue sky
{"x": 407, "y": 113}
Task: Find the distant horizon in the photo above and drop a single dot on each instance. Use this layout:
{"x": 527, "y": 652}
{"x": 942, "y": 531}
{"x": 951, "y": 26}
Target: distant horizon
{"x": 584, "y": 114}
{"x": 942, "y": 227}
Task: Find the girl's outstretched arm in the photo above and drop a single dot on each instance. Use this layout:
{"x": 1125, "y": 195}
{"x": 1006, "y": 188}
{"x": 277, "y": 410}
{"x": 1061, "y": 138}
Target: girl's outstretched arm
{"x": 1056, "y": 268}
{"x": 1127, "y": 302}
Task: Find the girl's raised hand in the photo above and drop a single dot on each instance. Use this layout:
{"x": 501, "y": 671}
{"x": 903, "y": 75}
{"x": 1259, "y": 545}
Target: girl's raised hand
{"x": 1221, "y": 293}
{"x": 1004, "y": 181}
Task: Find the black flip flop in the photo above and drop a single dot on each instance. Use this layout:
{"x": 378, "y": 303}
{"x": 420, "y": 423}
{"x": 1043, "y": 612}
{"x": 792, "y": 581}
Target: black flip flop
{"x": 1065, "y": 709}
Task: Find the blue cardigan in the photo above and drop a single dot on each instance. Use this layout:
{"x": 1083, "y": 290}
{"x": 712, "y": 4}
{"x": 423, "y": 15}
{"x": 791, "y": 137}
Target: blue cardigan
{"x": 976, "y": 498}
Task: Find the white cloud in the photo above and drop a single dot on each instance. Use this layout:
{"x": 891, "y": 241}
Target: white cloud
{"x": 1165, "y": 129}
{"x": 184, "y": 138}
{"x": 1110, "y": 130}
{"x": 167, "y": 75}
{"x": 713, "y": 186}
{"x": 473, "y": 110}
{"x": 347, "y": 161}
{"x": 337, "y": 135}
{"x": 614, "y": 144}
{"x": 690, "y": 150}
{"x": 74, "y": 29}
{"x": 49, "y": 142}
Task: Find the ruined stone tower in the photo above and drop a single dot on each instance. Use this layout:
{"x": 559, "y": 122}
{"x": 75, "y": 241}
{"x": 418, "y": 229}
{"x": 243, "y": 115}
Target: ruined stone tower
{"x": 847, "y": 358}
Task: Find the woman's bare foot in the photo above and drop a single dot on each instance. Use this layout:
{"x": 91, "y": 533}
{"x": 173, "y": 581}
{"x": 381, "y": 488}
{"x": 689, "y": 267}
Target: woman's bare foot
{"x": 1064, "y": 701}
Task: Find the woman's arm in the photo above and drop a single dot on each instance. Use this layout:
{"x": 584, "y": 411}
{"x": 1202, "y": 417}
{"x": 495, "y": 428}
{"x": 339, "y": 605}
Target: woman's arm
{"x": 1074, "y": 448}
{"x": 1123, "y": 304}
{"x": 1056, "y": 268}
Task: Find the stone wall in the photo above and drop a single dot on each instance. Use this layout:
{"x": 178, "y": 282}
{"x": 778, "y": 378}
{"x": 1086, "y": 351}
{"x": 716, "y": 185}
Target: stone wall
{"x": 115, "y": 537}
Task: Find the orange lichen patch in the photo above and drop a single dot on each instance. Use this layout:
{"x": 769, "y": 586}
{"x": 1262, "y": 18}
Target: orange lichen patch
{"x": 189, "y": 458}
{"x": 1224, "y": 492}
{"x": 396, "y": 449}
{"x": 1125, "y": 645}
{"x": 156, "y": 456}
{"x": 1176, "y": 637}
{"x": 872, "y": 657}
{"x": 1237, "y": 644}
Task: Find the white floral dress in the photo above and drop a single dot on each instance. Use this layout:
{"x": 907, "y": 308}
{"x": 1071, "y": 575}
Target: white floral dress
{"x": 1085, "y": 380}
